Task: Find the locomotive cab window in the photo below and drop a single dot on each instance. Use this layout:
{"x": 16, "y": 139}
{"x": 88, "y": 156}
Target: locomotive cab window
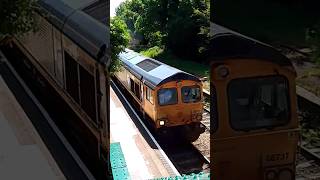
{"x": 167, "y": 96}
{"x": 149, "y": 96}
{"x": 190, "y": 94}
{"x": 258, "y": 102}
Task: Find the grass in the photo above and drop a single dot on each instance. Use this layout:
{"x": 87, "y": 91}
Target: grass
{"x": 312, "y": 72}
{"x": 189, "y": 66}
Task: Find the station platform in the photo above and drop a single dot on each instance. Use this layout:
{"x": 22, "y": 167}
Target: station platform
{"x": 23, "y": 154}
{"x": 143, "y": 159}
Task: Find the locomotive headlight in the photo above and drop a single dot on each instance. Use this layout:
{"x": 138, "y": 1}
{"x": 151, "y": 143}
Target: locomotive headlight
{"x": 161, "y": 123}
{"x": 222, "y": 71}
{"x": 199, "y": 117}
{"x": 271, "y": 175}
{"x": 285, "y": 174}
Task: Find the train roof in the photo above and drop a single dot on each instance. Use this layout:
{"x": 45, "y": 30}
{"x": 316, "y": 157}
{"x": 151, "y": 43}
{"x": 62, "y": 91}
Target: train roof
{"x": 90, "y": 34}
{"x": 226, "y": 43}
{"x": 153, "y": 72}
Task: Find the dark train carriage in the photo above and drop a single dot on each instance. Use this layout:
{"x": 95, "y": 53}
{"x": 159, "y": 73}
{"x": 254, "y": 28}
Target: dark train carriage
{"x": 71, "y": 51}
{"x": 253, "y": 109}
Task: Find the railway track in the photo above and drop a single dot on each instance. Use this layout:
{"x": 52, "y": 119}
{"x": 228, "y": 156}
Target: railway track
{"x": 202, "y": 145}
{"x": 186, "y": 158}
{"x": 288, "y": 49}
{"x": 312, "y": 153}
{"x": 308, "y": 161}
{"x": 206, "y": 113}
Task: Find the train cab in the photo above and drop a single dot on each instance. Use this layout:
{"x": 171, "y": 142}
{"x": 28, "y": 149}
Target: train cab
{"x": 169, "y": 97}
{"x": 253, "y": 109}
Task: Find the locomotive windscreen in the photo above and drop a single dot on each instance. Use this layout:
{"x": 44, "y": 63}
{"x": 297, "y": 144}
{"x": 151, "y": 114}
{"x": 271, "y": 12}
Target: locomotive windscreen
{"x": 264, "y": 105}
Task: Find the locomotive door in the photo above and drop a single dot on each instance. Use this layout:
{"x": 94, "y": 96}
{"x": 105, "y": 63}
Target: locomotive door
{"x": 57, "y": 55}
{"x": 142, "y": 104}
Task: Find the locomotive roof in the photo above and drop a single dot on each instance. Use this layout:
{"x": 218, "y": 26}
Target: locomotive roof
{"x": 153, "y": 72}
{"x": 226, "y": 43}
{"x": 91, "y": 35}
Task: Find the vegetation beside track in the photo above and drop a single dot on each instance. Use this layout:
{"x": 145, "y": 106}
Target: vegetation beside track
{"x": 292, "y": 23}
{"x": 16, "y": 18}
{"x": 184, "y": 64}
{"x": 309, "y": 79}
{"x": 179, "y": 26}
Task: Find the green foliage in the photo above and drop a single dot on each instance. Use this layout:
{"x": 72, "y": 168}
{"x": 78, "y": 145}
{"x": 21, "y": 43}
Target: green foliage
{"x": 129, "y": 11}
{"x": 16, "y": 17}
{"x": 155, "y": 39}
{"x": 184, "y": 64}
{"x": 188, "y": 30}
{"x": 311, "y": 136}
{"x": 313, "y": 38}
{"x": 181, "y": 26}
{"x": 152, "y": 52}
{"x": 120, "y": 38}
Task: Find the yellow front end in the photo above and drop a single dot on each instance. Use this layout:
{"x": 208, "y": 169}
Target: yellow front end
{"x": 178, "y": 103}
{"x": 255, "y": 132}
{"x": 260, "y": 156}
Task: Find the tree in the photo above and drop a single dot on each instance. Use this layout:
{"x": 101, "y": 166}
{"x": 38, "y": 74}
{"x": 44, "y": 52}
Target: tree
{"x": 188, "y": 30}
{"x": 181, "y": 26}
{"x": 313, "y": 38}
{"x": 120, "y": 38}
{"x": 16, "y": 17}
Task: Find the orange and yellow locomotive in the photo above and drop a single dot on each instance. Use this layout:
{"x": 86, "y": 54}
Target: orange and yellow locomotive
{"x": 167, "y": 96}
{"x": 253, "y": 109}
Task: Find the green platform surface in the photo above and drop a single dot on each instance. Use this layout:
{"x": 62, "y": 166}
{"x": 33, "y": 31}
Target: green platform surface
{"x": 199, "y": 176}
{"x": 120, "y": 170}
{"x": 118, "y": 163}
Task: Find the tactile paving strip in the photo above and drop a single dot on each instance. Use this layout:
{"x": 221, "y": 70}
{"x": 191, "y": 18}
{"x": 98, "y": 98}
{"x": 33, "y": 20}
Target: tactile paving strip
{"x": 200, "y": 176}
{"x": 118, "y": 163}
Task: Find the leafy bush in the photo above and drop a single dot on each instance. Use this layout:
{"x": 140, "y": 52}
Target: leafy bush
{"x": 16, "y": 17}
{"x": 181, "y": 26}
{"x": 152, "y": 52}
{"x": 120, "y": 38}
{"x": 313, "y": 38}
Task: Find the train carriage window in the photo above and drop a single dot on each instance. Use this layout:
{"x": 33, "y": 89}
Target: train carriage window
{"x": 137, "y": 90}
{"x": 258, "y": 102}
{"x": 71, "y": 68}
{"x": 167, "y": 96}
{"x": 190, "y": 94}
{"x": 87, "y": 90}
{"x": 149, "y": 95}
{"x": 131, "y": 85}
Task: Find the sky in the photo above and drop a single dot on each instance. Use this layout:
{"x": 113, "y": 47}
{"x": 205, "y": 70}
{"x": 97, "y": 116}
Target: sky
{"x": 113, "y": 5}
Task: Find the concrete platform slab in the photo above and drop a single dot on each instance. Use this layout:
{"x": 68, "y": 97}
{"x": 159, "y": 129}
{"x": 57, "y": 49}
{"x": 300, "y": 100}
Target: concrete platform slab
{"x": 141, "y": 159}
{"x": 23, "y": 155}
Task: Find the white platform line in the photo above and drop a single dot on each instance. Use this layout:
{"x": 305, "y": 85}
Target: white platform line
{"x": 51, "y": 122}
{"x": 150, "y": 135}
